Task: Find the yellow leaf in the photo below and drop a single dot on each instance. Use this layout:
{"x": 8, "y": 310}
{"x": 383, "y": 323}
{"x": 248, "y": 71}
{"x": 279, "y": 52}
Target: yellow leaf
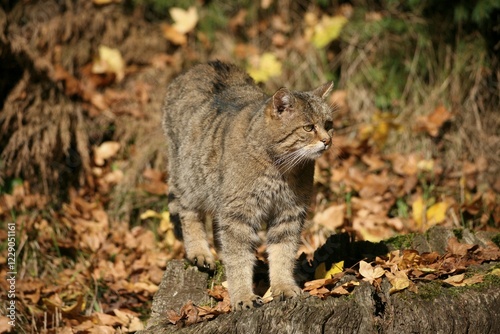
{"x": 417, "y": 211}
{"x": 105, "y": 2}
{"x": 335, "y": 269}
{"x": 327, "y": 30}
{"x": 322, "y": 273}
{"x": 436, "y": 213}
{"x": 495, "y": 272}
{"x": 264, "y": 67}
{"x": 165, "y": 223}
{"x": 381, "y": 133}
{"x": 110, "y": 60}
{"x": 150, "y": 214}
{"x": 426, "y": 165}
{"x": 399, "y": 281}
{"x": 185, "y": 20}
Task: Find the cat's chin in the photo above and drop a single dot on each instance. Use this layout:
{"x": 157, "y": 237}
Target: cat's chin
{"x": 316, "y": 154}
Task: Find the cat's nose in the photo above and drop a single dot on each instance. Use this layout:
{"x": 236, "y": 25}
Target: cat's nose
{"x": 326, "y": 141}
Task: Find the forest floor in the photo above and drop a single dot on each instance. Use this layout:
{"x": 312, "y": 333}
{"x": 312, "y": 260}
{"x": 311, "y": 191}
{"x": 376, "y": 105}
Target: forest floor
{"x": 93, "y": 261}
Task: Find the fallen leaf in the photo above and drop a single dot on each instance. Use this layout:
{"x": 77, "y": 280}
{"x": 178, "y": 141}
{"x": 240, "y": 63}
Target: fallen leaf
{"x": 399, "y": 281}
{"x": 264, "y": 67}
{"x": 102, "y": 330}
{"x": 432, "y": 122}
{"x": 172, "y": 35}
{"x": 107, "y": 319}
{"x": 4, "y": 324}
{"x": 327, "y": 30}
{"x": 370, "y": 273}
{"x": 436, "y": 214}
{"x": 268, "y": 296}
{"x": 135, "y": 325}
{"x": 495, "y": 272}
{"x": 457, "y": 248}
{"x": 184, "y": 20}
{"x": 105, "y": 151}
{"x": 455, "y": 280}
{"x": 105, "y": 2}
{"x": 418, "y": 211}
{"x": 332, "y": 217}
{"x": 478, "y": 278}
{"x": 109, "y": 60}
{"x": 150, "y": 214}
{"x": 321, "y": 271}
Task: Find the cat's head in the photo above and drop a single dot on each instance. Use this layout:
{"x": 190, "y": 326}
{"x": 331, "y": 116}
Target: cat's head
{"x": 300, "y": 125}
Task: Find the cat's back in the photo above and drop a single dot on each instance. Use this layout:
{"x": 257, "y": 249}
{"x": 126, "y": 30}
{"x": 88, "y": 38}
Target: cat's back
{"x": 221, "y": 86}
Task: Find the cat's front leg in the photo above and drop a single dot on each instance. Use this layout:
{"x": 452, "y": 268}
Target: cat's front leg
{"x": 238, "y": 239}
{"x": 282, "y": 242}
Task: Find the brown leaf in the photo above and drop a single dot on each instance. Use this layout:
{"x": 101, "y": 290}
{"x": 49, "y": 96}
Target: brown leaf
{"x": 331, "y": 218}
{"x": 455, "y": 280}
{"x": 173, "y": 316}
{"x": 478, "y": 278}
{"x": 457, "y": 248}
{"x": 172, "y": 35}
{"x": 490, "y": 253}
{"x": 432, "y": 122}
{"x": 238, "y": 20}
{"x": 218, "y": 292}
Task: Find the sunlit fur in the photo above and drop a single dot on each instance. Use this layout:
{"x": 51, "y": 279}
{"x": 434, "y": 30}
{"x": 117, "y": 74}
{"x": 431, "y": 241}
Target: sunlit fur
{"x": 245, "y": 158}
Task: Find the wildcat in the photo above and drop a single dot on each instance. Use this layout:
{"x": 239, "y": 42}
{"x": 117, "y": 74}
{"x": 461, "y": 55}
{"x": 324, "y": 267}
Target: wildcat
{"x": 246, "y": 159}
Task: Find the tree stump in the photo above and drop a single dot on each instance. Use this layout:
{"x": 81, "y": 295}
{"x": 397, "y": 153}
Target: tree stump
{"x": 434, "y": 309}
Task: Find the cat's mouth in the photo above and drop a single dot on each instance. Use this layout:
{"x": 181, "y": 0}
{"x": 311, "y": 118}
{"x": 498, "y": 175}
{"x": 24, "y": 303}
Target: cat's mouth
{"x": 318, "y": 149}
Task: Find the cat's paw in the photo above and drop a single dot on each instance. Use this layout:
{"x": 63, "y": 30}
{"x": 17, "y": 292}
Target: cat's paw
{"x": 285, "y": 291}
{"x": 248, "y": 303}
{"x": 205, "y": 262}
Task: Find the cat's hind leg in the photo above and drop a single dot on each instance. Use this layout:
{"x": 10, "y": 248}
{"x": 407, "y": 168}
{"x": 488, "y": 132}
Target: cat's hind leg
{"x": 190, "y": 227}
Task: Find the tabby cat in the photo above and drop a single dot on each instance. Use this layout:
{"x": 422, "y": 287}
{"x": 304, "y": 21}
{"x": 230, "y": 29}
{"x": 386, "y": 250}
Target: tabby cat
{"x": 244, "y": 158}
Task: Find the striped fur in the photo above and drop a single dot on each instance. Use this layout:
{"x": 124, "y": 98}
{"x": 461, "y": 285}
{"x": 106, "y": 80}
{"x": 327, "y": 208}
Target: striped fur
{"x": 246, "y": 159}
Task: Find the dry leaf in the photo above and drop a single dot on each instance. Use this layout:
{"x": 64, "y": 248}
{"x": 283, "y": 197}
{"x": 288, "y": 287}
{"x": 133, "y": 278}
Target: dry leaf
{"x": 264, "y": 67}
{"x": 436, "y": 214}
{"x": 399, "y": 281}
{"x": 321, "y": 271}
{"x": 455, "y": 280}
{"x": 331, "y": 218}
{"x": 105, "y": 151}
{"x": 432, "y": 122}
{"x": 109, "y": 61}
{"x": 327, "y": 30}
{"x": 370, "y": 273}
{"x": 185, "y": 20}
{"x": 172, "y": 35}
{"x": 105, "y": 2}
{"x": 457, "y": 248}
{"x": 418, "y": 211}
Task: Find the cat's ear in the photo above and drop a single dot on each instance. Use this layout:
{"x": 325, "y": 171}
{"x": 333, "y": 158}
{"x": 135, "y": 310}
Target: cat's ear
{"x": 283, "y": 101}
{"x": 323, "y": 90}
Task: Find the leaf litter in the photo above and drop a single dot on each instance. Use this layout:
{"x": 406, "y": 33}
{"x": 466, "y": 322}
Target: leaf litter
{"x": 89, "y": 272}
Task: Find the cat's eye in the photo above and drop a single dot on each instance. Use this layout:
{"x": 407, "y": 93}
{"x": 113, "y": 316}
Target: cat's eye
{"x": 308, "y": 127}
{"x": 328, "y": 125}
